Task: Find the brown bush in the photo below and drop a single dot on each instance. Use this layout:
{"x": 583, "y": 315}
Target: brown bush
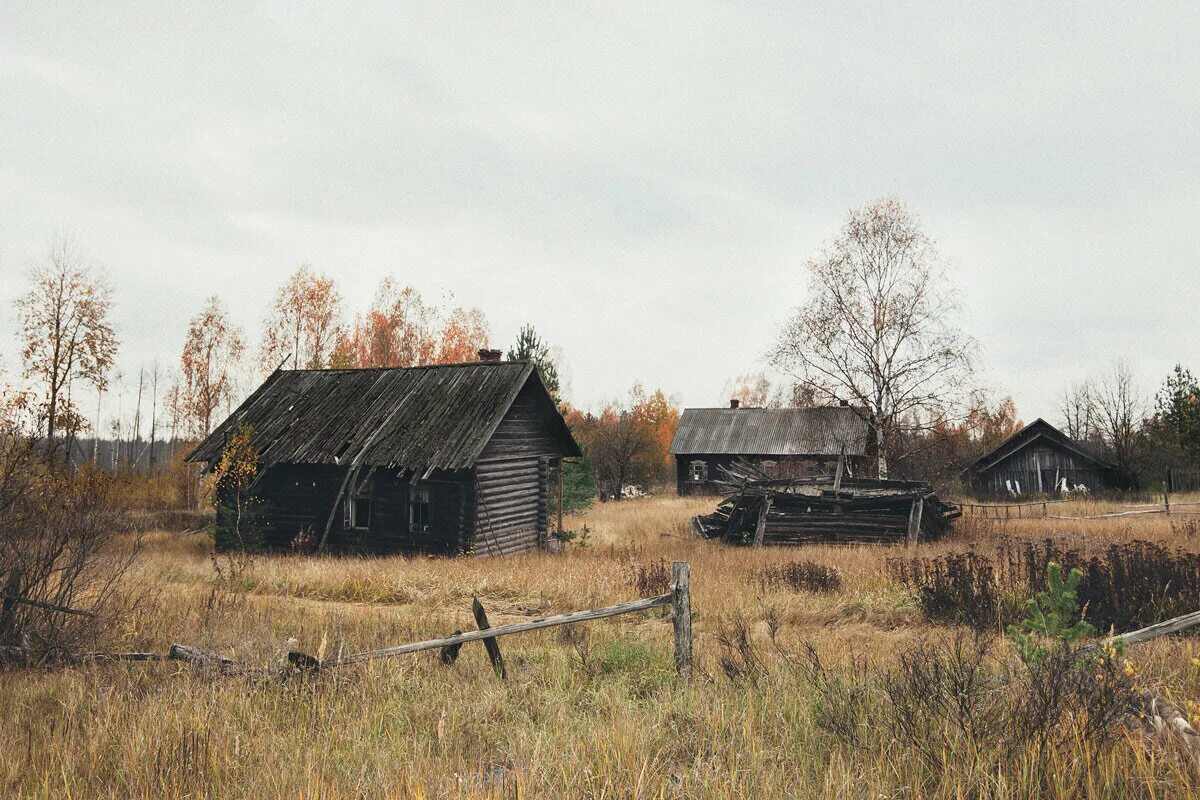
{"x": 58, "y": 551}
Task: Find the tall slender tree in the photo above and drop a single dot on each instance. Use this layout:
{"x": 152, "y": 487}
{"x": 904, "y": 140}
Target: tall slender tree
{"x": 66, "y": 333}
{"x": 211, "y": 352}
{"x": 530, "y": 347}
{"x": 304, "y": 322}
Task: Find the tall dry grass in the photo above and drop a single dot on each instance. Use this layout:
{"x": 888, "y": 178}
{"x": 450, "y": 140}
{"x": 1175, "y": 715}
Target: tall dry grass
{"x": 593, "y": 712}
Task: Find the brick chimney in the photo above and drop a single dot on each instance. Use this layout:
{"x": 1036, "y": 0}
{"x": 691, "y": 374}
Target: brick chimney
{"x": 489, "y": 356}
{"x": 734, "y": 402}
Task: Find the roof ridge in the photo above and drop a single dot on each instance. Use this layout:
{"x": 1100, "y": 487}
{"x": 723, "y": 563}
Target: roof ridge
{"x": 415, "y": 366}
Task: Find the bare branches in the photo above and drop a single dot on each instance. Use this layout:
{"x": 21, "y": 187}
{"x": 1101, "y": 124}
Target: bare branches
{"x": 878, "y": 332}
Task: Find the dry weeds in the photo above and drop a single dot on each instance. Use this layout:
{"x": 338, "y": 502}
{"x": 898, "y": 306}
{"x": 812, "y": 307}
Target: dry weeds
{"x": 594, "y": 713}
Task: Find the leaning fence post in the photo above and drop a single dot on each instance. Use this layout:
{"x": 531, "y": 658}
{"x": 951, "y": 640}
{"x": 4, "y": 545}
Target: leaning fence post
{"x": 1166, "y": 499}
{"x": 681, "y": 616}
{"x": 493, "y": 647}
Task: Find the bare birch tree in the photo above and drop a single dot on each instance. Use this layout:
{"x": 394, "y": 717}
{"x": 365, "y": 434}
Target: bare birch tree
{"x": 66, "y": 332}
{"x": 878, "y": 330}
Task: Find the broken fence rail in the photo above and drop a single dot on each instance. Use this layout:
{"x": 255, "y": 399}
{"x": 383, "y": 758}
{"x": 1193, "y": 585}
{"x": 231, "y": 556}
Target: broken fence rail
{"x": 678, "y": 600}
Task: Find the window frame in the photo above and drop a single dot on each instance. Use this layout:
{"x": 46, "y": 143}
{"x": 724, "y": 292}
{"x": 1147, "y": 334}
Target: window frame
{"x": 354, "y": 504}
{"x": 415, "y": 491}
{"x": 698, "y": 472}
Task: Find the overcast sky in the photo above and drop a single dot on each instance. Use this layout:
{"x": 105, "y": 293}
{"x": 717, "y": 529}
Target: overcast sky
{"x": 644, "y": 185}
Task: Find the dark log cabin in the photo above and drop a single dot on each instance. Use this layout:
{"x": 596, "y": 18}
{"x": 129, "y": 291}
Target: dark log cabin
{"x": 439, "y": 459}
{"x": 1038, "y": 459}
{"x": 782, "y": 442}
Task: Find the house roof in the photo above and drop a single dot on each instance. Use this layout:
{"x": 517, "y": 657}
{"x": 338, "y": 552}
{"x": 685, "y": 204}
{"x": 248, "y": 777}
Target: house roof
{"x": 1038, "y": 429}
{"x": 770, "y": 431}
{"x": 434, "y": 417}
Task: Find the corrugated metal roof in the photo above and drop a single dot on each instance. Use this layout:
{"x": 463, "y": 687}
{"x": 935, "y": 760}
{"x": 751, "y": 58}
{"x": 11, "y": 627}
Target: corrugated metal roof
{"x": 436, "y": 417}
{"x": 770, "y": 431}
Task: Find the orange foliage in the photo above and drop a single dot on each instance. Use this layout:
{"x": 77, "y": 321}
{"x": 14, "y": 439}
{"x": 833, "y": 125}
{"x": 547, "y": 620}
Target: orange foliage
{"x": 304, "y": 322}
{"x": 462, "y": 336}
{"x": 401, "y": 330}
{"x": 206, "y": 368}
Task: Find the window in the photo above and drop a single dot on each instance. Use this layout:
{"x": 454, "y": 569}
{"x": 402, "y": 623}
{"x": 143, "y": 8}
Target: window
{"x": 419, "y": 507}
{"x": 358, "y": 512}
{"x": 699, "y": 472}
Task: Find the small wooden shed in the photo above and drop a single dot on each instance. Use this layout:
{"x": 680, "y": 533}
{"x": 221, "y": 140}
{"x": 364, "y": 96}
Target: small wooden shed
{"x": 781, "y": 442}
{"x": 1038, "y": 459}
{"x": 442, "y": 459}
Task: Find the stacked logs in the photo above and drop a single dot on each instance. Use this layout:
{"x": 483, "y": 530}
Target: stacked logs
{"x": 759, "y": 509}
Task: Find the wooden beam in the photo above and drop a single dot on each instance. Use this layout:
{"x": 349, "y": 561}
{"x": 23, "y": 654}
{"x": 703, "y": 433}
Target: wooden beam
{"x": 914, "y": 519}
{"x": 760, "y": 529}
{"x": 505, "y": 630}
{"x": 561, "y": 466}
{"x": 1175, "y": 625}
{"x": 681, "y": 617}
{"x": 493, "y": 647}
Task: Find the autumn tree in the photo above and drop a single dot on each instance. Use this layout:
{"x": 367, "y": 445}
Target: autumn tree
{"x": 627, "y": 442}
{"x": 396, "y": 331}
{"x": 751, "y": 390}
{"x": 401, "y": 330}
{"x": 462, "y": 335}
{"x": 530, "y": 347}
{"x": 878, "y": 330}
{"x": 304, "y": 322}
{"x": 211, "y": 353}
{"x": 66, "y": 333}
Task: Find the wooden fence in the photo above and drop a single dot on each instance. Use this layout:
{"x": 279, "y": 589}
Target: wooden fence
{"x": 1040, "y": 509}
{"x": 678, "y": 599}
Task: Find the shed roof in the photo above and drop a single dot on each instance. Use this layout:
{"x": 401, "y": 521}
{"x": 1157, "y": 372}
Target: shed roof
{"x": 770, "y": 431}
{"x": 1038, "y": 429}
{"x": 433, "y": 417}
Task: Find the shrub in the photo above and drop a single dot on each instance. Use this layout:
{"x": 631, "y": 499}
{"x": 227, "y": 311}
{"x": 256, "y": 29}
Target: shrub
{"x": 239, "y": 510}
{"x": 58, "y": 549}
{"x": 1123, "y": 587}
{"x": 652, "y": 579}
{"x": 801, "y": 576}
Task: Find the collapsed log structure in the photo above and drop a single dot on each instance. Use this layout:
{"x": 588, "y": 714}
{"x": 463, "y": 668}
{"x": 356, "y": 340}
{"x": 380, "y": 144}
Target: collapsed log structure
{"x": 759, "y": 509}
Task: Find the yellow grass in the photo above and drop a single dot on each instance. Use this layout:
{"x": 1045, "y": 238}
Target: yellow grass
{"x": 594, "y": 713}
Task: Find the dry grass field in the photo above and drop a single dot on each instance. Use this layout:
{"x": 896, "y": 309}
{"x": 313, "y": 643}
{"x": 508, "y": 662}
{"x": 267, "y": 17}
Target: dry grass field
{"x": 592, "y": 710}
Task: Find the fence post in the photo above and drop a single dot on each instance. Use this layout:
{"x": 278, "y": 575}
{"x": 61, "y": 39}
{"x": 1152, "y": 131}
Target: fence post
{"x": 681, "y": 616}
{"x": 1166, "y": 499}
{"x": 493, "y": 646}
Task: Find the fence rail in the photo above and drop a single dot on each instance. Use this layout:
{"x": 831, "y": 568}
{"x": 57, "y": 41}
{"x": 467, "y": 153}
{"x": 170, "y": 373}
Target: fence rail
{"x": 678, "y": 600}
{"x": 993, "y": 510}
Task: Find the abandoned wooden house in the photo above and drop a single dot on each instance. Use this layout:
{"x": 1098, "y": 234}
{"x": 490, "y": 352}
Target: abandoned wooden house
{"x": 782, "y": 442}
{"x": 439, "y": 459}
{"x": 1039, "y": 459}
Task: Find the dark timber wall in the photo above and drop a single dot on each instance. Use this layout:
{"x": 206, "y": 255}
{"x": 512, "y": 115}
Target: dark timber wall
{"x": 1053, "y": 462}
{"x": 300, "y": 497}
{"x": 512, "y": 493}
